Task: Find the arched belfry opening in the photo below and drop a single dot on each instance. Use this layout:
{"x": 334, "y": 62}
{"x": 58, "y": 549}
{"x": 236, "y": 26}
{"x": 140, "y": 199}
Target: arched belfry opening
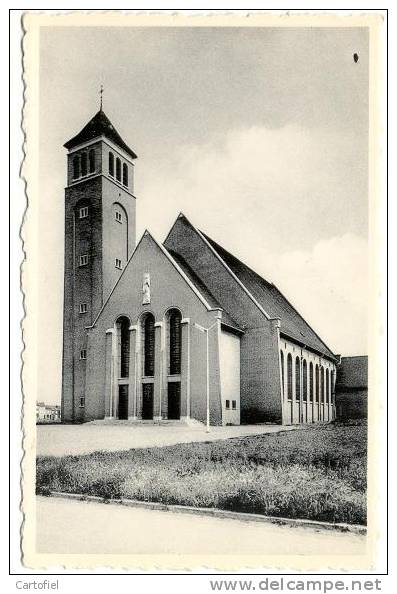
{"x": 123, "y": 364}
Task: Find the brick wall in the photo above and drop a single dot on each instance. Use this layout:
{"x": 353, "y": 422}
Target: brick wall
{"x": 351, "y": 404}
{"x": 260, "y": 376}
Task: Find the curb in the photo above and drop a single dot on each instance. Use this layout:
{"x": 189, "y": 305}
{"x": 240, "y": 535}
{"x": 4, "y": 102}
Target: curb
{"x": 217, "y": 513}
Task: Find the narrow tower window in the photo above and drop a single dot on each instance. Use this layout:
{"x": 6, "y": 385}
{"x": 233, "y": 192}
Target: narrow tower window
{"x": 76, "y": 167}
{"x": 83, "y": 308}
{"x": 83, "y": 212}
{"x": 118, "y": 263}
{"x": 118, "y": 169}
{"x": 125, "y": 174}
{"x": 91, "y": 159}
{"x": 83, "y": 260}
{"x": 83, "y": 164}
{"x": 111, "y": 164}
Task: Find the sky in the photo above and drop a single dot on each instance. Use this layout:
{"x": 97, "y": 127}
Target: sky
{"x": 259, "y": 135}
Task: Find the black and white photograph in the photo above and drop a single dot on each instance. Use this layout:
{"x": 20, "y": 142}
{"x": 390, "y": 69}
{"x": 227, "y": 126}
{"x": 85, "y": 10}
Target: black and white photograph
{"x": 201, "y": 334}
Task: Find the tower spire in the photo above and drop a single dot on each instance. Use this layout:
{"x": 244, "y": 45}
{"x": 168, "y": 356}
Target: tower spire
{"x": 101, "y": 100}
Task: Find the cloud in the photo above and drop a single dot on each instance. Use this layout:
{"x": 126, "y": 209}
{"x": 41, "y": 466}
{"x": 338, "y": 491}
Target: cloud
{"x": 287, "y": 202}
{"x": 329, "y": 286}
{"x": 288, "y": 187}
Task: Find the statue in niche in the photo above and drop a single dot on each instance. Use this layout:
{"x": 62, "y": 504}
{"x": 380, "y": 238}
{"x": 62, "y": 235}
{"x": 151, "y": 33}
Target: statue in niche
{"x": 146, "y": 289}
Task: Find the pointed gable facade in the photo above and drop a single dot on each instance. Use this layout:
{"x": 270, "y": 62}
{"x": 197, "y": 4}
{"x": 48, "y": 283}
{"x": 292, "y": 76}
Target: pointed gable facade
{"x": 155, "y": 367}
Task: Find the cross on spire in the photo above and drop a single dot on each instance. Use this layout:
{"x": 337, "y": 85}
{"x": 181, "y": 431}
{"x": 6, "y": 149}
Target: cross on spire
{"x": 101, "y": 93}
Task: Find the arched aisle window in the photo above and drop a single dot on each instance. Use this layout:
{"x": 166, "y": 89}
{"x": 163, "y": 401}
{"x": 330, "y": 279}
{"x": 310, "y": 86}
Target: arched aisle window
{"x": 125, "y": 174}
{"x": 322, "y": 385}
{"x": 174, "y": 342}
{"x": 297, "y": 379}
{"x": 327, "y": 386}
{"x": 311, "y": 385}
{"x": 76, "y": 167}
{"x": 282, "y": 371}
{"x": 304, "y": 380}
{"x": 118, "y": 169}
{"x": 91, "y": 160}
{"x": 333, "y": 387}
{"x": 317, "y": 384}
{"x": 289, "y": 376}
{"x": 123, "y": 334}
{"x": 148, "y": 345}
{"x": 111, "y": 164}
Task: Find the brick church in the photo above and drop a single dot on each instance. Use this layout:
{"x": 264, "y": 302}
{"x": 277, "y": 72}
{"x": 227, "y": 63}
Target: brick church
{"x": 180, "y": 330}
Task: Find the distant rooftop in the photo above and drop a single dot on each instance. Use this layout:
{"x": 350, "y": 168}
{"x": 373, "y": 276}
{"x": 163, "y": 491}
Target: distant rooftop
{"x": 352, "y": 372}
{"x": 50, "y": 406}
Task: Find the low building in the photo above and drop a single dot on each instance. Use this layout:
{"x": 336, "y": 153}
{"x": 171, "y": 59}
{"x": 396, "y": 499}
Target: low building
{"x": 47, "y": 413}
{"x": 352, "y": 388}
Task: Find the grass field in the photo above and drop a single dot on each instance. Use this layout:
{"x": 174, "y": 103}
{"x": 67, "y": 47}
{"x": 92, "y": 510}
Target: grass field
{"x": 316, "y": 472}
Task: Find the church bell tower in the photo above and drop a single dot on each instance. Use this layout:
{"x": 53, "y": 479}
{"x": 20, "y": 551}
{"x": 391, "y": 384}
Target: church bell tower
{"x": 99, "y": 239}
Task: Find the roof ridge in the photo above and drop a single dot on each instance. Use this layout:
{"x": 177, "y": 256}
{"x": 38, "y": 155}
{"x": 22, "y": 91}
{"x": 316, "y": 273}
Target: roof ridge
{"x": 305, "y": 321}
{"x": 237, "y": 259}
{"x": 270, "y": 284}
{"x": 178, "y": 257}
{"x": 208, "y": 243}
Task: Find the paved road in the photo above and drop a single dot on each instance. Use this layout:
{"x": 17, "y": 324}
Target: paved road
{"x": 65, "y": 526}
{"x": 58, "y": 440}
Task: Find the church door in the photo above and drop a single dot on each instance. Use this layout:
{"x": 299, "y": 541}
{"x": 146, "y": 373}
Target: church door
{"x": 147, "y": 401}
{"x": 123, "y": 401}
{"x": 174, "y": 400}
